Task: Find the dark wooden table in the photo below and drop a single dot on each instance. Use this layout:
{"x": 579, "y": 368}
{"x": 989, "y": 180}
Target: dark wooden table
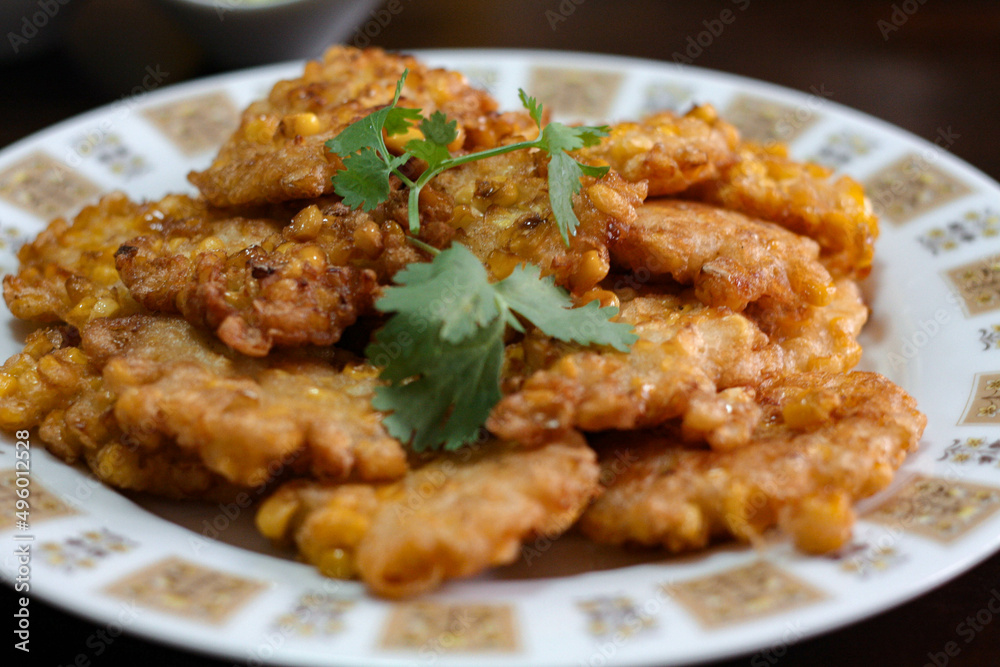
{"x": 923, "y": 65}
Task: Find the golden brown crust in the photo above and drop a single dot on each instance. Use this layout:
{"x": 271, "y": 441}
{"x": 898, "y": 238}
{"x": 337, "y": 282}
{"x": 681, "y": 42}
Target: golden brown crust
{"x": 55, "y": 386}
{"x": 153, "y": 388}
{"x": 669, "y": 152}
{"x": 687, "y": 352}
{"x": 730, "y": 259}
{"x": 824, "y": 441}
{"x": 802, "y": 197}
{"x": 278, "y": 153}
{"x": 502, "y": 213}
{"x": 68, "y": 272}
{"x": 452, "y": 518}
{"x": 299, "y": 276}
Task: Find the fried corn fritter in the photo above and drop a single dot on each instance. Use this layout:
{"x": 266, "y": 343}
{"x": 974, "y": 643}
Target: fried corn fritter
{"x": 240, "y": 278}
{"x": 68, "y": 272}
{"x": 278, "y": 153}
{"x": 56, "y": 387}
{"x": 155, "y": 384}
{"x": 825, "y": 441}
{"x": 189, "y": 349}
{"x": 802, "y": 197}
{"x": 503, "y": 215}
{"x": 667, "y": 151}
{"x": 453, "y": 517}
{"x": 687, "y": 353}
{"x": 730, "y": 259}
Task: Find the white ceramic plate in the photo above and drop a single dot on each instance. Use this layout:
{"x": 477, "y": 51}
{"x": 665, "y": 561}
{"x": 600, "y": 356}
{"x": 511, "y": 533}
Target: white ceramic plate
{"x": 196, "y": 576}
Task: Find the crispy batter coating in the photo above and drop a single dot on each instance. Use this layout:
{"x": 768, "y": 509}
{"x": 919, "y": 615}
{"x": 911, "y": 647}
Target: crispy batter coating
{"x": 68, "y": 272}
{"x": 153, "y": 385}
{"x": 686, "y": 354}
{"x": 730, "y": 259}
{"x": 766, "y": 184}
{"x": 503, "y": 215}
{"x": 55, "y": 386}
{"x": 278, "y": 152}
{"x": 668, "y": 151}
{"x": 825, "y": 441}
{"x": 451, "y": 518}
{"x": 247, "y": 419}
{"x": 299, "y": 276}
{"x": 237, "y": 277}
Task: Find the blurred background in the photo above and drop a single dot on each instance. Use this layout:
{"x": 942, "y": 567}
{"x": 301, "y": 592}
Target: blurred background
{"x": 924, "y": 65}
{"x": 920, "y": 64}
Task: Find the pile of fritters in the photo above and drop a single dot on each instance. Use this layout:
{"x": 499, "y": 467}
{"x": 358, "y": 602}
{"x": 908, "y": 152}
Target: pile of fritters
{"x": 197, "y": 347}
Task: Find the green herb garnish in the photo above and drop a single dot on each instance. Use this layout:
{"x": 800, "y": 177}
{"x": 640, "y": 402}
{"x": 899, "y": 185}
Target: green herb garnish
{"x": 441, "y": 353}
{"x": 364, "y": 180}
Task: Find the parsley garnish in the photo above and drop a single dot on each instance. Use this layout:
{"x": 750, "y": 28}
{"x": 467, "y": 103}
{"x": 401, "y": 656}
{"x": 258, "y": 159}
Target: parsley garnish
{"x": 364, "y": 180}
{"x": 442, "y": 351}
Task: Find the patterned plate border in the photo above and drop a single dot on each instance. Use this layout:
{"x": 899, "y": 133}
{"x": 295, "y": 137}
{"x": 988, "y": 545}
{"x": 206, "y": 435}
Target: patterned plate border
{"x": 102, "y": 556}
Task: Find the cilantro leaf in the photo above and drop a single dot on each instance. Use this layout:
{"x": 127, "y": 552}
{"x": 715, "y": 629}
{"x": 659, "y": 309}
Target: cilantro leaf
{"x": 559, "y": 137}
{"x": 364, "y": 182}
{"x": 564, "y": 182}
{"x": 451, "y": 398}
{"x": 454, "y": 289}
{"x": 550, "y": 309}
{"x": 441, "y": 353}
{"x": 532, "y": 105}
{"x": 398, "y": 120}
{"x": 438, "y": 129}
{"x": 431, "y": 153}
{"x": 367, "y": 132}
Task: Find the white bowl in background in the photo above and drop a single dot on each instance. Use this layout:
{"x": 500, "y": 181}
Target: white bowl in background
{"x": 251, "y": 32}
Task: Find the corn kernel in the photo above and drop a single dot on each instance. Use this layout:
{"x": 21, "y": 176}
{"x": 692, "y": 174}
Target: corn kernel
{"x": 604, "y": 297}
{"x": 301, "y": 124}
{"x": 368, "y": 239}
{"x": 337, "y": 564}
{"x": 307, "y": 224}
{"x": 593, "y": 268}
{"x": 76, "y": 356}
{"x": 106, "y": 307}
{"x": 705, "y": 112}
{"x": 261, "y": 129}
{"x": 312, "y": 255}
{"x": 105, "y": 274}
{"x": 610, "y": 202}
{"x": 463, "y": 216}
{"x": 396, "y": 142}
{"x": 211, "y": 244}
{"x": 501, "y": 264}
{"x": 821, "y": 524}
{"x": 274, "y": 516}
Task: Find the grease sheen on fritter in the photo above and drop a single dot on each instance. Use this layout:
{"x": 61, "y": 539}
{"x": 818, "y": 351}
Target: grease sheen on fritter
{"x": 453, "y": 517}
{"x": 825, "y": 441}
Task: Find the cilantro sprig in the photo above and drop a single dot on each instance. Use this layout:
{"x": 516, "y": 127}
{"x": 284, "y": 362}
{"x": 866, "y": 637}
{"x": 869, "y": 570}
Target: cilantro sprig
{"x": 368, "y": 164}
{"x": 442, "y": 351}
